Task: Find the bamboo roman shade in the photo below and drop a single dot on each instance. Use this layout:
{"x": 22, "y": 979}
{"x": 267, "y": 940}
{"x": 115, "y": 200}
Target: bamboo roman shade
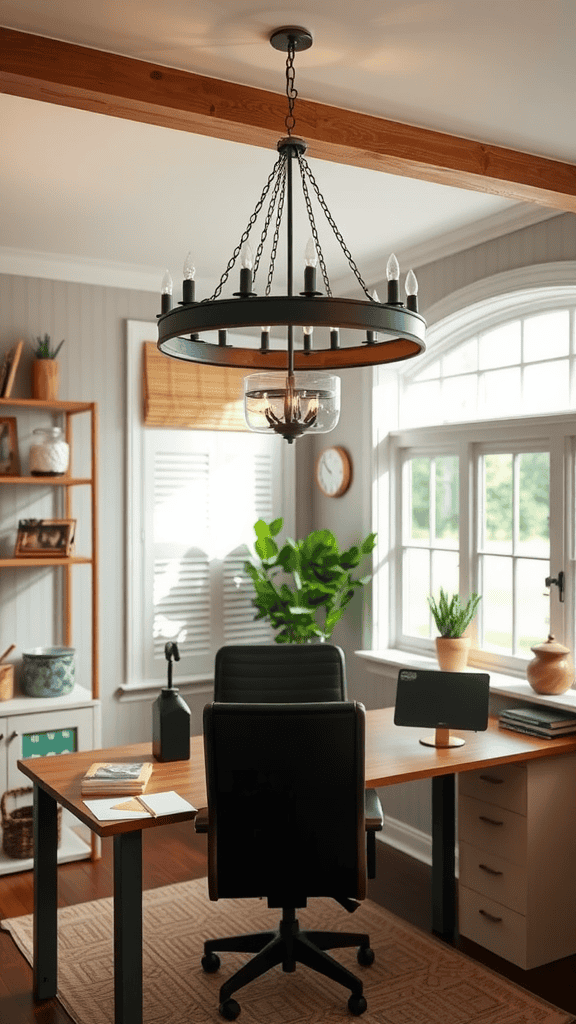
{"x": 192, "y": 395}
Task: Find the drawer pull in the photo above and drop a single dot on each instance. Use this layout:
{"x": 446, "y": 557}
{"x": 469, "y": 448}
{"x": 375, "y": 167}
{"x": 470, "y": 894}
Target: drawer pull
{"x": 490, "y": 821}
{"x": 492, "y": 780}
{"x": 490, "y": 871}
{"x": 490, "y": 917}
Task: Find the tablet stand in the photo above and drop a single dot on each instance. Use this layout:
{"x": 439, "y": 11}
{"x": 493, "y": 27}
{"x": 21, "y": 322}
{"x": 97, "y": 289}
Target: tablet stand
{"x": 442, "y": 738}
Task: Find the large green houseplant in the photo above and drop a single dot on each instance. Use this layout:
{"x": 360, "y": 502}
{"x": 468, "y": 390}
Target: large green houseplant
{"x": 304, "y": 586}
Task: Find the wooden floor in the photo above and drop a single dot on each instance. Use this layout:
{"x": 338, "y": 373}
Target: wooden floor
{"x": 175, "y": 853}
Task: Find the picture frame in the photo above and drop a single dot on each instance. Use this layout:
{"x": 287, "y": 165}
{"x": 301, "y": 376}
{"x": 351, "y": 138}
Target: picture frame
{"x": 50, "y": 538}
{"x": 9, "y": 456}
{"x": 8, "y": 370}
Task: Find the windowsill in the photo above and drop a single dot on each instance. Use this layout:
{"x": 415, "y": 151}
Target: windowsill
{"x": 148, "y": 688}
{"x": 380, "y": 662}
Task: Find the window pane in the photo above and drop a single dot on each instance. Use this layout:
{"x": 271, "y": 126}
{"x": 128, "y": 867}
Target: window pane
{"x": 547, "y": 335}
{"x": 498, "y": 518}
{"x": 416, "y": 590}
{"x": 496, "y": 604}
{"x": 459, "y": 398}
{"x": 444, "y": 572}
{"x": 533, "y": 609}
{"x": 499, "y": 393}
{"x": 421, "y": 404}
{"x": 534, "y": 504}
{"x": 462, "y": 359}
{"x": 547, "y": 386}
{"x": 419, "y": 470}
{"x": 447, "y": 498}
{"x": 500, "y": 347}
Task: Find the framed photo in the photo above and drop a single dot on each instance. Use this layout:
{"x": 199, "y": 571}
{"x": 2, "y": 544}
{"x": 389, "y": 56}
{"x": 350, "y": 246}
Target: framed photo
{"x": 9, "y": 457}
{"x": 8, "y": 370}
{"x": 50, "y": 537}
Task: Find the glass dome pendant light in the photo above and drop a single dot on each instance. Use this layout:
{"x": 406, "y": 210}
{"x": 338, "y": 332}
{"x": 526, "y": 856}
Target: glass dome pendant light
{"x": 292, "y": 395}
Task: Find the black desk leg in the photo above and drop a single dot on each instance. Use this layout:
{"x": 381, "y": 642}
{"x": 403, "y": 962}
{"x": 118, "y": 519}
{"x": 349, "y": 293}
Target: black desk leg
{"x": 443, "y": 837}
{"x": 45, "y": 895}
{"x": 128, "y": 928}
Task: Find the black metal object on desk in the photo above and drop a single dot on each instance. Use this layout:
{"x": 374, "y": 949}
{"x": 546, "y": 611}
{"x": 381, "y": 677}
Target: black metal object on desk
{"x": 170, "y": 718}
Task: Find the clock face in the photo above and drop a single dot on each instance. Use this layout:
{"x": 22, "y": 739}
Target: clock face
{"x": 333, "y": 472}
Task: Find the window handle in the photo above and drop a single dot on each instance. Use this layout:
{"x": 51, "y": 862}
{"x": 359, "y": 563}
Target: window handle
{"x": 558, "y": 581}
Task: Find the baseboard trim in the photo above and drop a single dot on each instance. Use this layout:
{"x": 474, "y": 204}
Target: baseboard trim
{"x": 409, "y": 840}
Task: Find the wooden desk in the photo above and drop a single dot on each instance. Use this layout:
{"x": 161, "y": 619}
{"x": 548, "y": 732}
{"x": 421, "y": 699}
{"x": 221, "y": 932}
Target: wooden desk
{"x": 393, "y": 755}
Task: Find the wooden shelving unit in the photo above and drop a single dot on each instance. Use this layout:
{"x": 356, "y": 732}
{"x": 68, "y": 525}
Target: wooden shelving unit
{"x": 80, "y": 710}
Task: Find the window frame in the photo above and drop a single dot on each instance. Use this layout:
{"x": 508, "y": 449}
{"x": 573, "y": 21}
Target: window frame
{"x": 138, "y": 682}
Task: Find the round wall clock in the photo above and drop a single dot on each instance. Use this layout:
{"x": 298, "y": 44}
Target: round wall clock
{"x": 333, "y": 471}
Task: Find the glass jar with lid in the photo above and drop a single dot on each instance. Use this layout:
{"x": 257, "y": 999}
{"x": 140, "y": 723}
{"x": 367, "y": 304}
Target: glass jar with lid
{"x": 50, "y": 454}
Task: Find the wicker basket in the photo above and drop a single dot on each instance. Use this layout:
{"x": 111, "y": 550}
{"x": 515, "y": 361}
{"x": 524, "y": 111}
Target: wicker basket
{"x": 17, "y": 824}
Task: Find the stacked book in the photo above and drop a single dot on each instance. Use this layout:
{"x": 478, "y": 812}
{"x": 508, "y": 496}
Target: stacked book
{"x": 538, "y": 721}
{"x": 109, "y": 778}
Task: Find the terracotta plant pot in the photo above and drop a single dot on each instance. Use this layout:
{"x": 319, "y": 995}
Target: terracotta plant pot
{"x": 45, "y": 379}
{"x": 551, "y": 670}
{"x": 452, "y": 652}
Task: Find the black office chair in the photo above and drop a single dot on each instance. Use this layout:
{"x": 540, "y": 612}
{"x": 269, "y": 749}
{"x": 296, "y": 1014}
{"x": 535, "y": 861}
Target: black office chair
{"x": 271, "y": 673}
{"x": 286, "y": 821}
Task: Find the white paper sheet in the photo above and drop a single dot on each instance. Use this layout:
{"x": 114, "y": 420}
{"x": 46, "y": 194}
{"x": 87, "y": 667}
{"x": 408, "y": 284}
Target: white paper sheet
{"x": 162, "y": 803}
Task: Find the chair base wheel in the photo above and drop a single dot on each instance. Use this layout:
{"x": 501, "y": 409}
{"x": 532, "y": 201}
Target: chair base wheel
{"x": 357, "y": 1005}
{"x": 229, "y": 1009}
{"x": 365, "y": 956}
{"x": 210, "y": 963}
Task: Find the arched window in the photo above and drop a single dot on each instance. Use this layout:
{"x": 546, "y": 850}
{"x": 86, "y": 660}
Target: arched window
{"x": 481, "y": 470}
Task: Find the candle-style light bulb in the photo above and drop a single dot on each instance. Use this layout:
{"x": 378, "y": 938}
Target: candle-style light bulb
{"x": 166, "y": 289}
{"x": 375, "y": 297}
{"x": 372, "y": 336}
{"x": 334, "y": 338}
{"x": 188, "y": 275}
{"x": 311, "y": 260}
{"x": 393, "y": 275}
{"x": 264, "y": 339}
{"x": 411, "y": 286}
{"x": 310, "y": 253}
{"x": 308, "y": 332}
{"x": 246, "y": 265}
{"x": 247, "y": 257}
{"x": 392, "y": 268}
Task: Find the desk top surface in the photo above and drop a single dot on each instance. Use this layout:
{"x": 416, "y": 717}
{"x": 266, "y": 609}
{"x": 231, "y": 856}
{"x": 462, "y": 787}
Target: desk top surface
{"x": 393, "y": 755}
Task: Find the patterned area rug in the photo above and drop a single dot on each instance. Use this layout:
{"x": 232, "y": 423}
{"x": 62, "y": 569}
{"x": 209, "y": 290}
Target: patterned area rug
{"x": 415, "y": 978}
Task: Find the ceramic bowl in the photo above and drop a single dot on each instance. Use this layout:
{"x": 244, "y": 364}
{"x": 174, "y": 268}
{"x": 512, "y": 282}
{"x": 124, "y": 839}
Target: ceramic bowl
{"x": 48, "y": 671}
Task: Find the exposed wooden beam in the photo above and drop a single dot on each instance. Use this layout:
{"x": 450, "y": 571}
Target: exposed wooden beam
{"x": 75, "y": 76}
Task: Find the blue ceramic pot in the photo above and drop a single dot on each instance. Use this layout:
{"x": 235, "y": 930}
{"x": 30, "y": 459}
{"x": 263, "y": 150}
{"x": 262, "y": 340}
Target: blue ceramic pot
{"x": 48, "y": 671}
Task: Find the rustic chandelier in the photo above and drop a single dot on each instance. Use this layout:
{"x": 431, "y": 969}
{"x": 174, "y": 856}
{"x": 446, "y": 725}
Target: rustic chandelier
{"x": 292, "y": 395}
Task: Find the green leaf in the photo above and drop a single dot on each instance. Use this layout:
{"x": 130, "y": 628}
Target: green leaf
{"x": 266, "y": 547}
{"x": 275, "y": 526}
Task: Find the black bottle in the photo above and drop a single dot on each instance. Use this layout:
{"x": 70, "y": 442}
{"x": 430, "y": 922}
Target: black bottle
{"x": 170, "y": 718}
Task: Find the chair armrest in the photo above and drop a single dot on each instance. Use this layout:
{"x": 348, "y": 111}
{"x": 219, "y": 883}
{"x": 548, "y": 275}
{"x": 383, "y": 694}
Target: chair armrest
{"x": 201, "y": 820}
{"x": 373, "y": 811}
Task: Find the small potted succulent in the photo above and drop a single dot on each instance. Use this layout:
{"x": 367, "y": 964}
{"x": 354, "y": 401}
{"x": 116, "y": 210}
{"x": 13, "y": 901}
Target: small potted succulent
{"x": 452, "y": 619}
{"x": 303, "y": 587}
{"x": 45, "y": 369}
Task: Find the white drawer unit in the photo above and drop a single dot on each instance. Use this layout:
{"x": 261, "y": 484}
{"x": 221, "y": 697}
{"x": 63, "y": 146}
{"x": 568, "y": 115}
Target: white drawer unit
{"x": 32, "y": 727}
{"x": 517, "y": 842}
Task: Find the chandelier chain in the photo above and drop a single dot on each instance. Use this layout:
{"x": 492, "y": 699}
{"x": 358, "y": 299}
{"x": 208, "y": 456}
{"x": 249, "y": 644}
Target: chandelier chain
{"x": 305, "y": 168}
{"x": 246, "y": 232}
{"x": 269, "y": 214}
{"x": 291, "y": 90}
{"x": 276, "y": 235}
{"x": 314, "y": 230}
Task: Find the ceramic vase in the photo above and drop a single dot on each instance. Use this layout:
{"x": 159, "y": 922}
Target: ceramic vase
{"x": 551, "y": 670}
{"x": 452, "y": 652}
{"x": 45, "y": 379}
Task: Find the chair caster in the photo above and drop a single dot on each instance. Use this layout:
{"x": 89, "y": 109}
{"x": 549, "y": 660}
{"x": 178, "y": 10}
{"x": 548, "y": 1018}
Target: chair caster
{"x": 365, "y": 956}
{"x": 229, "y": 1009}
{"x": 357, "y": 1005}
{"x": 210, "y": 963}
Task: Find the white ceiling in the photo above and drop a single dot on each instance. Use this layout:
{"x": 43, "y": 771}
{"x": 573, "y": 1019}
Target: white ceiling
{"x": 90, "y": 187}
